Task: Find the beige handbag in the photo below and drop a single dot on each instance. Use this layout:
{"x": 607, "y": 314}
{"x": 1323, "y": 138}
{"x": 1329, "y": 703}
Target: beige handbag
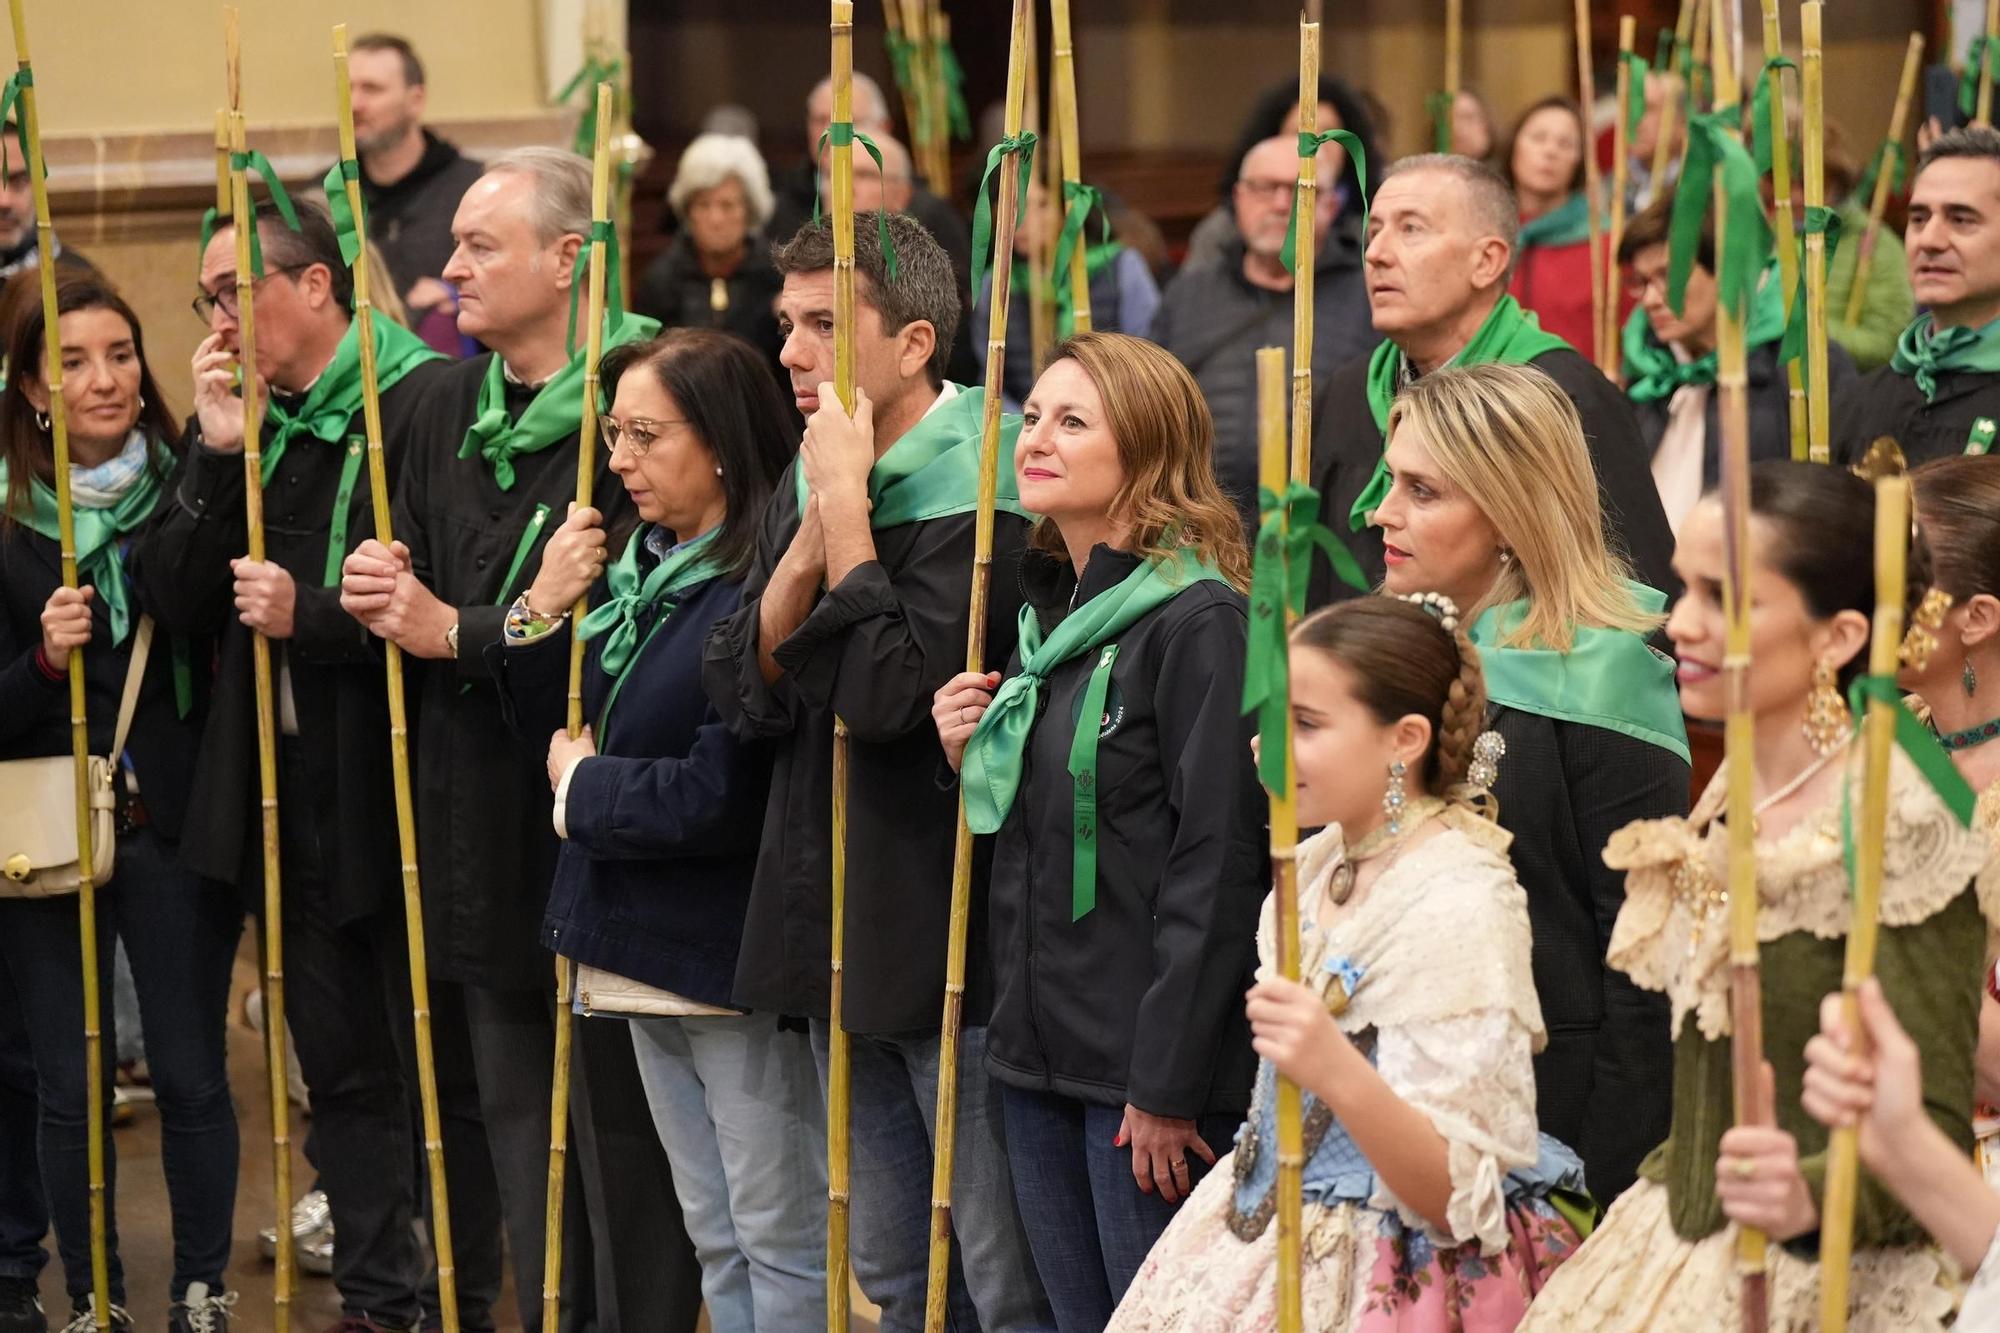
{"x": 38, "y": 804}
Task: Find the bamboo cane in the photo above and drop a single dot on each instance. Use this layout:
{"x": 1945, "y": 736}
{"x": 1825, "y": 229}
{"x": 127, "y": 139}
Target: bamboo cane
{"x": 1062, "y": 60}
{"x": 940, "y": 165}
{"x": 945, "y": 1130}
{"x": 399, "y": 726}
{"x": 1454, "y": 70}
{"x": 1812, "y": 143}
{"x": 905, "y": 71}
{"x": 1678, "y": 87}
{"x": 222, "y": 200}
{"x": 1885, "y": 179}
{"x": 1593, "y": 184}
{"x": 586, "y": 473}
{"x": 923, "y": 56}
{"x": 1621, "y": 169}
{"x": 1777, "y": 132}
{"x": 1305, "y": 247}
{"x": 1985, "y": 108}
{"x": 1892, "y": 533}
{"x": 79, "y": 729}
{"x": 1041, "y": 248}
{"x": 1702, "y": 14}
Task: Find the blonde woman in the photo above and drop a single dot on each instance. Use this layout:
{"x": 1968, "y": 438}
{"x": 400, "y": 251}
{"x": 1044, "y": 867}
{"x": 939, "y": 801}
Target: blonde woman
{"x": 1493, "y": 503}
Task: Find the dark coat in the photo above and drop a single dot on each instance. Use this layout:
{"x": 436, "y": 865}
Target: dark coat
{"x": 1141, "y": 1001}
{"x": 679, "y": 294}
{"x": 338, "y": 688}
{"x": 1883, "y": 402}
{"x": 1770, "y": 410}
{"x": 485, "y": 845}
{"x": 874, "y": 650}
{"x": 410, "y": 221}
{"x": 663, "y": 824}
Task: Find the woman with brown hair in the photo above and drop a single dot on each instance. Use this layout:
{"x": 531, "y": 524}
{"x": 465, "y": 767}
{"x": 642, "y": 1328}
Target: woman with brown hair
{"x": 1113, "y": 764}
{"x": 1543, "y": 160}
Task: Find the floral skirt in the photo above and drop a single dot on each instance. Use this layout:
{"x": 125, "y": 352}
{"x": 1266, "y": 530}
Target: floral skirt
{"x": 1363, "y": 1272}
{"x": 1637, "y": 1273}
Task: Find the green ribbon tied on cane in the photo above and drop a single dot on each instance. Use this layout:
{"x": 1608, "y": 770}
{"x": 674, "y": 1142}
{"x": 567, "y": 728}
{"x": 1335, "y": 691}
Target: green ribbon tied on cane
{"x": 255, "y": 160}
{"x": 346, "y": 227}
{"x": 594, "y": 71}
{"x": 1280, "y": 573}
{"x": 952, "y": 75}
{"x": 1760, "y": 111}
{"x": 1022, "y": 147}
{"x": 1712, "y": 144}
{"x": 1079, "y": 202}
{"x": 1701, "y": 82}
{"x": 1636, "y": 70}
{"x": 840, "y": 134}
{"x": 1889, "y": 156}
{"x": 1309, "y": 144}
{"x": 1818, "y": 222}
{"x": 1979, "y": 54}
{"x": 602, "y": 230}
{"x": 1914, "y": 740}
{"x": 1665, "y": 50}
{"x": 13, "y": 108}
{"x": 902, "y": 54}
{"x": 1438, "y": 107}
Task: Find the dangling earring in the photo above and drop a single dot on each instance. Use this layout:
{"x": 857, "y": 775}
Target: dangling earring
{"x": 1827, "y": 719}
{"x": 1505, "y": 555}
{"x": 1394, "y": 796}
{"x": 42, "y": 420}
{"x": 1970, "y": 678}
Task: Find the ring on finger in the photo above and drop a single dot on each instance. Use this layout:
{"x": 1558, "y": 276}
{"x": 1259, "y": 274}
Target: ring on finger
{"x": 1743, "y": 1168}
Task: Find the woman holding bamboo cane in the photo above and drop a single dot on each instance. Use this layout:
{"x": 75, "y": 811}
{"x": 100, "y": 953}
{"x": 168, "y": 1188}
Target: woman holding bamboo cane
{"x": 1431, "y": 1202}
{"x": 179, "y": 929}
{"x": 1120, "y": 952}
{"x": 1665, "y": 1257}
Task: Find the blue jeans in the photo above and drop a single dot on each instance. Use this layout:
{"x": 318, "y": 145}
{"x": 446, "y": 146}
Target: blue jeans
{"x": 1089, "y": 1224}
{"x": 738, "y": 1108}
{"x": 180, "y": 932}
{"x": 893, "y": 1104}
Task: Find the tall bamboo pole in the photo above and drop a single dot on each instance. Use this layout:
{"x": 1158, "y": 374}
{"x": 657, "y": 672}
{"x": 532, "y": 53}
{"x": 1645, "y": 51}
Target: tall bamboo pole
{"x": 1621, "y": 169}
{"x": 1041, "y": 245}
{"x": 1836, "y": 1234}
{"x": 1702, "y": 15}
{"x": 1593, "y": 184}
{"x": 1454, "y": 71}
{"x": 399, "y": 725}
{"x": 1678, "y": 90}
{"x": 1776, "y": 132}
{"x": 1062, "y": 61}
{"x": 1305, "y": 204}
{"x": 905, "y": 69}
{"x": 1885, "y": 179}
{"x": 1812, "y": 143}
{"x": 79, "y": 728}
{"x": 939, "y": 26}
{"x": 945, "y": 1129}
{"x": 222, "y": 199}
{"x": 1985, "y": 108}
{"x": 923, "y": 63}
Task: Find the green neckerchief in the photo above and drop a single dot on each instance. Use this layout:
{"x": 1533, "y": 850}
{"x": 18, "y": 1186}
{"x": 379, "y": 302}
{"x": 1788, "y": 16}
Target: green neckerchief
{"x": 933, "y": 470}
{"x": 634, "y": 595}
{"x": 553, "y": 415}
{"x": 1609, "y": 678}
{"x": 98, "y": 532}
{"x": 990, "y": 775}
{"x": 1925, "y": 353}
{"x": 1652, "y": 372}
{"x": 1568, "y": 225}
{"x": 335, "y": 396}
{"x": 1511, "y": 336}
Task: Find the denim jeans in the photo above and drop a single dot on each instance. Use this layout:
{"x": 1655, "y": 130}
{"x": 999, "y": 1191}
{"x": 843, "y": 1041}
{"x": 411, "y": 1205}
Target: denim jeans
{"x": 739, "y": 1112}
{"x": 892, "y": 1108}
{"x": 180, "y": 932}
{"x": 24, "y": 1209}
{"x": 1089, "y": 1224}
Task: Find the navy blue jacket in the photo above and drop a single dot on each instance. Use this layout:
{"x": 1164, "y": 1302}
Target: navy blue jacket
{"x": 664, "y": 823}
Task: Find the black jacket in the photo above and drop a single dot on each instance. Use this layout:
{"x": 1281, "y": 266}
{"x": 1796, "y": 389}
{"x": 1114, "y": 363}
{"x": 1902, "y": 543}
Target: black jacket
{"x": 1214, "y": 319}
{"x": 1770, "y": 410}
{"x": 679, "y": 294}
{"x": 663, "y": 824}
{"x": 1347, "y": 445}
{"x": 484, "y": 841}
{"x": 874, "y": 650}
{"x": 1141, "y": 1001}
{"x": 410, "y": 221}
{"x": 338, "y": 689}
{"x": 1604, "y": 1083}
{"x": 1883, "y": 402}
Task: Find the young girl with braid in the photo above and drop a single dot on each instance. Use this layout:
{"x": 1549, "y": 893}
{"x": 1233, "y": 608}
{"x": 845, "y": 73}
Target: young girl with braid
{"x": 1431, "y": 1200}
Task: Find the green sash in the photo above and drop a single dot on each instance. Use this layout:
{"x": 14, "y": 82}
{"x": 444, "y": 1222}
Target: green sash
{"x": 1511, "y": 336}
{"x": 933, "y": 470}
{"x": 632, "y": 596}
{"x": 1652, "y": 372}
{"x": 1609, "y": 678}
{"x": 990, "y": 776}
{"x": 1925, "y": 352}
{"x": 1567, "y": 225}
{"x": 336, "y": 395}
{"x": 98, "y": 531}
{"x": 554, "y": 414}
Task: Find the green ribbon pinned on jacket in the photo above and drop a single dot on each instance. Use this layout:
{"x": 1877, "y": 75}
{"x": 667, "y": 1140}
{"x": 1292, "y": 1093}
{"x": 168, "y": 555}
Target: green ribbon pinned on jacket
{"x": 12, "y": 108}
{"x": 346, "y": 227}
{"x": 593, "y": 72}
{"x": 633, "y": 596}
{"x": 1309, "y": 144}
{"x": 1022, "y": 147}
{"x": 840, "y": 134}
{"x": 1817, "y": 222}
{"x": 1760, "y": 112}
{"x": 1924, "y": 351}
{"x": 1653, "y": 373}
{"x": 1741, "y": 251}
{"x": 1438, "y": 107}
{"x": 1976, "y": 55}
{"x": 1914, "y": 740}
{"x": 1888, "y": 149}
{"x": 1079, "y": 202}
{"x": 257, "y": 162}
{"x": 554, "y": 414}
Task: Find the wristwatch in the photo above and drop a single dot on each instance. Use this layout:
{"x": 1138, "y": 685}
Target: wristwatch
{"x": 451, "y": 639}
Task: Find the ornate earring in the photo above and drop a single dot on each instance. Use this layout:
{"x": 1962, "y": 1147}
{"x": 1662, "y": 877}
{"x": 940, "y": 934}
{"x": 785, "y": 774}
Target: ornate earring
{"x": 1970, "y": 679}
{"x": 1921, "y": 640}
{"x": 1827, "y": 721}
{"x": 1394, "y": 796}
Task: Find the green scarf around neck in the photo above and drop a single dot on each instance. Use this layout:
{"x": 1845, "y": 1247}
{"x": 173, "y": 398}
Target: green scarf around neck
{"x": 634, "y": 595}
{"x": 933, "y": 470}
{"x": 1568, "y": 224}
{"x": 1653, "y": 372}
{"x": 98, "y": 533}
{"x": 335, "y": 396}
{"x": 554, "y": 414}
{"x": 1925, "y": 352}
{"x": 1510, "y": 336}
{"x": 990, "y": 776}
{"x": 1609, "y": 678}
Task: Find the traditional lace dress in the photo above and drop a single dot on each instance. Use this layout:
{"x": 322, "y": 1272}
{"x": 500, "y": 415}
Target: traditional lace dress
{"x": 1435, "y": 958}
{"x": 1986, "y": 1119}
{"x": 1664, "y": 1258}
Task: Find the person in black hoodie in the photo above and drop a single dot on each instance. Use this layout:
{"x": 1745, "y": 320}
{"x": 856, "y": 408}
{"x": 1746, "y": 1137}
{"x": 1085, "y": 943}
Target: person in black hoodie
{"x": 179, "y": 929}
{"x": 1120, "y": 952}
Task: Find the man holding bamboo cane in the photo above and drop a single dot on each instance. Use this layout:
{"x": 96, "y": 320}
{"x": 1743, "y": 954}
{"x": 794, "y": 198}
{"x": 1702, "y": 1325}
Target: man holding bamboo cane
{"x": 856, "y": 605}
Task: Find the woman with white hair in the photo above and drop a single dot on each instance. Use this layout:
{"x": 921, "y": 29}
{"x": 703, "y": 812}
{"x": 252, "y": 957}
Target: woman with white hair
{"x": 717, "y": 273}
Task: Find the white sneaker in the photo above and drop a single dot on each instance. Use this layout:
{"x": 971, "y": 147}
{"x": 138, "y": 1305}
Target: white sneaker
{"x": 201, "y": 1311}
{"x": 85, "y": 1320}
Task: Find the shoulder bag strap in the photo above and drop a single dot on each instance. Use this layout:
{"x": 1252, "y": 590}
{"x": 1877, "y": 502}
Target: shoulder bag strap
{"x": 135, "y": 675}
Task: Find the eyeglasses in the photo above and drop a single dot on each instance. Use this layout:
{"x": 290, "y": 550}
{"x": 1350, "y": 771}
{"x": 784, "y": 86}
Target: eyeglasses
{"x": 639, "y": 433}
{"x": 1265, "y": 189}
{"x": 205, "y": 306}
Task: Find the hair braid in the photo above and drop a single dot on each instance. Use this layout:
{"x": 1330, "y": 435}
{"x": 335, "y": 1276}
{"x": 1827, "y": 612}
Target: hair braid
{"x": 1463, "y": 716}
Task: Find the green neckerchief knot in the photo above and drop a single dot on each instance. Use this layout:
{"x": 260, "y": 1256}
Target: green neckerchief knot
{"x": 990, "y": 776}
{"x": 1079, "y": 202}
{"x": 1760, "y": 110}
{"x": 840, "y": 134}
{"x": 635, "y": 596}
{"x": 932, "y": 471}
{"x": 1888, "y": 149}
{"x": 1925, "y": 352}
{"x": 1914, "y": 740}
{"x": 1817, "y": 222}
{"x": 1310, "y": 144}
{"x": 1022, "y": 147}
{"x": 336, "y": 395}
{"x": 595, "y": 70}
{"x": 99, "y": 532}
{"x": 952, "y": 75}
{"x": 1636, "y": 70}
{"x": 601, "y": 230}
{"x": 11, "y": 108}
{"x": 254, "y": 160}
{"x": 1740, "y": 251}
{"x": 1438, "y": 107}
{"x": 1511, "y": 336}
{"x": 1567, "y": 224}
{"x": 1976, "y": 55}
{"x": 1653, "y": 372}
{"x": 555, "y": 413}
{"x": 346, "y": 226}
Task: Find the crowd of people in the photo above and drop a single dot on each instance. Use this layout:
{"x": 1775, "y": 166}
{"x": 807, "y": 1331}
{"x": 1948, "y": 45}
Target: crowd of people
{"x": 1513, "y": 1031}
